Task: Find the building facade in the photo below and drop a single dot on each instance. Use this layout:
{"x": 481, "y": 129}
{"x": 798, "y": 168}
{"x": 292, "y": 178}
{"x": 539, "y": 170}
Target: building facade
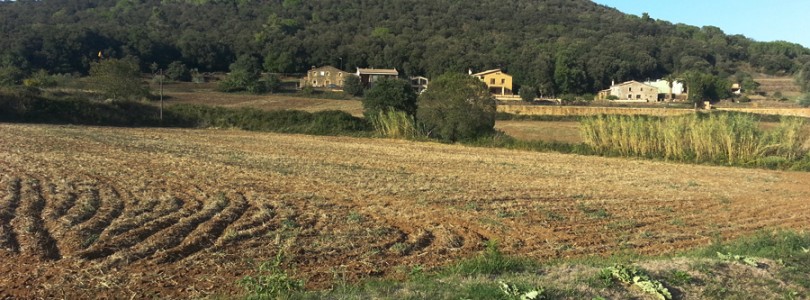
{"x": 498, "y": 82}
{"x": 631, "y": 91}
{"x": 369, "y": 76}
{"x": 419, "y": 84}
{"x": 325, "y": 77}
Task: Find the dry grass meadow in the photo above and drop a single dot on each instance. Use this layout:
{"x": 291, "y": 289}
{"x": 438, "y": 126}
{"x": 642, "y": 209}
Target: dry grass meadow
{"x": 173, "y": 213}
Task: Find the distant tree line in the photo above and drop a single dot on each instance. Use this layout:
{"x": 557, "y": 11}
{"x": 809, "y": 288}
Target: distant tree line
{"x": 550, "y": 46}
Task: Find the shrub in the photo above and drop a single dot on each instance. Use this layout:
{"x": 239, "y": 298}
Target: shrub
{"x": 528, "y": 93}
{"x": 10, "y": 75}
{"x": 177, "y": 71}
{"x": 456, "y": 107}
{"x": 353, "y": 86}
{"x": 118, "y": 79}
{"x": 744, "y": 99}
{"x": 40, "y": 78}
{"x": 389, "y": 94}
{"x": 804, "y": 100}
{"x": 245, "y": 75}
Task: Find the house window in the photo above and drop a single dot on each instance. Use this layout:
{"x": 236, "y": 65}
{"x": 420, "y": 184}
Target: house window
{"x": 503, "y": 81}
{"x": 630, "y": 96}
{"x": 327, "y": 73}
{"x": 340, "y": 74}
{"x": 630, "y": 89}
{"x": 492, "y": 81}
{"x": 314, "y": 82}
{"x": 638, "y": 96}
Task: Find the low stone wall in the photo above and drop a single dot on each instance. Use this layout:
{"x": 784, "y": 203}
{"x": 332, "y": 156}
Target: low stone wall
{"x": 590, "y": 111}
{"x": 531, "y": 110}
{"x": 798, "y": 112}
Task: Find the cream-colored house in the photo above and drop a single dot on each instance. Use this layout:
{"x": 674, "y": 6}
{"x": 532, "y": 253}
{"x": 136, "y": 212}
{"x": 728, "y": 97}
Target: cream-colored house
{"x": 631, "y": 91}
{"x": 664, "y": 90}
{"x": 369, "y": 76}
{"x": 498, "y": 82}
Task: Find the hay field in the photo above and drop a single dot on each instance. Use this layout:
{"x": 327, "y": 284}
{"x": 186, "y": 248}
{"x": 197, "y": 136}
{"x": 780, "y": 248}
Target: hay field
{"x": 549, "y": 131}
{"x": 204, "y": 94}
{"x": 172, "y": 213}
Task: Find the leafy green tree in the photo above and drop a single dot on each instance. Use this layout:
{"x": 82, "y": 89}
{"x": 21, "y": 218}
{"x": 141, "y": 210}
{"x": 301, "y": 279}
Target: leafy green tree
{"x": 456, "y": 107}
{"x": 706, "y": 87}
{"x": 10, "y": 75}
{"x": 245, "y": 75}
{"x": 353, "y": 86}
{"x": 804, "y": 100}
{"x": 178, "y": 71}
{"x": 803, "y": 77}
{"x": 389, "y": 94}
{"x": 527, "y": 93}
{"x": 118, "y": 78}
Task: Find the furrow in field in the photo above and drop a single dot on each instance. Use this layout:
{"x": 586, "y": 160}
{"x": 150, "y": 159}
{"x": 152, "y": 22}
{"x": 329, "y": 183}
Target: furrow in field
{"x": 8, "y": 207}
{"x": 85, "y": 207}
{"x": 254, "y": 222}
{"x": 125, "y": 241}
{"x": 110, "y": 208}
{"x": 34, "y": 239}
{"x": 133, "y": 220}
{"x": 206, "y": 234}
{"x": 171, "y": 236}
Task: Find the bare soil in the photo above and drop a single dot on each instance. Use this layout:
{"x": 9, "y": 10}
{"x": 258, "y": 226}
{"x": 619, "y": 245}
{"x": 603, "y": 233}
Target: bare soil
{"x": 169, "y": 213}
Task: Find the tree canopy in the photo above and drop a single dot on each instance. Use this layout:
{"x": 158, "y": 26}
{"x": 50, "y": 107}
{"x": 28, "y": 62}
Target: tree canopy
{"x": 456, "y": 107}
{"x": 558, "y": 46}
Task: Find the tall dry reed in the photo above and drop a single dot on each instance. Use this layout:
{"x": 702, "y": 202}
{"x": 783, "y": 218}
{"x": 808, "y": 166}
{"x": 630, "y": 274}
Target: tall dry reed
{"x": 734, "y": 139}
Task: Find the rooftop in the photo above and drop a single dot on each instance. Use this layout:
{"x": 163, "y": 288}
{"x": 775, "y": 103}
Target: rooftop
{"x": 378, "y": 71}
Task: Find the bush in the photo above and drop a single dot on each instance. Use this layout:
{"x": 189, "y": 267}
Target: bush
{"x": 395, "y": 124}
{"x": 353, "y": 86}
{"x": 804, "y": 100}
{"x": 456, "y": 107}
{"x": 177, "y": 71}
{"x": 118, "y": 79}
{"x": 528, "y": 93}
{"x": 10, "y": 75}
{"x": 40, "y": 79}
{"x": 744, "y": 99}
{"x": 389, "y": 94}
{"x": 245, "y": 75}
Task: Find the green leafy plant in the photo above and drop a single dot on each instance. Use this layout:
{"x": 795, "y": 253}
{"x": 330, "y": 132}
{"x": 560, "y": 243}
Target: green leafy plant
{"x": 514, "y": 292}
{"x": 632, "y": 275}
{"x": 739, "y": 258}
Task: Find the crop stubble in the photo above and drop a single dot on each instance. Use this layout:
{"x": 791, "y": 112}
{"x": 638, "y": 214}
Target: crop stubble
{"x": 185, "y": 213}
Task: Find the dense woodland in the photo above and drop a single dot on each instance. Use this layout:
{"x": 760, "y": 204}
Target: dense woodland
{"x": 558, "y": 46}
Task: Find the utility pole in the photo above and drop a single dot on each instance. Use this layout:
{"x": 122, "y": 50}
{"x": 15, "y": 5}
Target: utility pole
{"x": 161, "y": 96}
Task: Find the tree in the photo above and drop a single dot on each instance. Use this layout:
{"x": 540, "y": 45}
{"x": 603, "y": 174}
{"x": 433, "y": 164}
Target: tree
{"x": 706, "y": 87}
{"x": 10, "y": 75}
{"x": 389, "y": 94}
{"x": 456, "y": 107}
{"x": 527, "y": 93}
{"x": 244, "y": 76}
{"x": 353, "y": 86}
{"x": 118, "y": 78}
{"x": 803, "y": 78}
{"x": 178, "y": 71}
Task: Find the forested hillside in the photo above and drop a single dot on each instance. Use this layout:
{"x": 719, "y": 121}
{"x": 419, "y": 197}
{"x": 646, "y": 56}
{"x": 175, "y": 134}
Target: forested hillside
{"x": 561, "y": 46}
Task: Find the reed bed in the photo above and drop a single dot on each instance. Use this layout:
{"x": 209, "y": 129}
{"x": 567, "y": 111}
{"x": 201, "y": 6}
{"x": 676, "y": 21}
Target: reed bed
{"x": 733, "y": 139}
{"x": 395, "y": 124}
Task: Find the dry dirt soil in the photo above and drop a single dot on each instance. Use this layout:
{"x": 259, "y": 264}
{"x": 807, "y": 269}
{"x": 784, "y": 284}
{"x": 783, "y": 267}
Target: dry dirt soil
{"x": 168, "y": 213}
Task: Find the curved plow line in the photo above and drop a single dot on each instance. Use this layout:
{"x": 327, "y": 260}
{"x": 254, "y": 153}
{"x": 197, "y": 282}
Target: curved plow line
{"x": 110, "y": 208}
{"x": 170, "y": 237}
{"x": 205, "y": 235}
{"x": 107, "y": 247}
{"x": 8, "y": 207}
{"x": 33, "y": 237}
{"x": 129, "y": 222}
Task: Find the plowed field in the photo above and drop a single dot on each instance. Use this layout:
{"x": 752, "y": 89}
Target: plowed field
{"x": 120, "y": 213}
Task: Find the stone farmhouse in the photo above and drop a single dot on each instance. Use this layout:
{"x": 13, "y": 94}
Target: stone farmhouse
{"x": 631, "y": 91}
{"x": 325, "y": 77}
{"x": 665, "y": 93}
